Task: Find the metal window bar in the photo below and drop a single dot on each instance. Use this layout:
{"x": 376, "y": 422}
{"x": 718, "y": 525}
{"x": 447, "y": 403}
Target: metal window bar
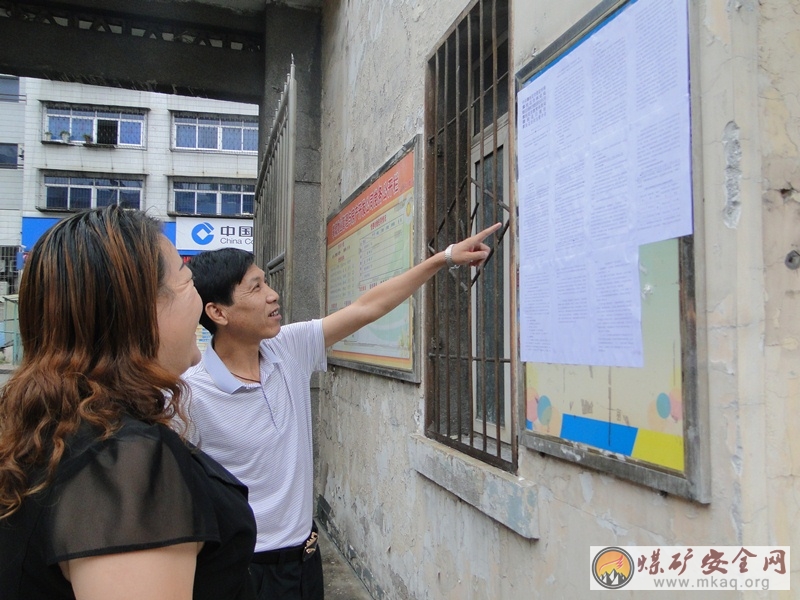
{"x": 463, "y": 203}
{"x": 9, "y": 275}
{"x": 274, "y": 197}
{"x": 10, "y": 341}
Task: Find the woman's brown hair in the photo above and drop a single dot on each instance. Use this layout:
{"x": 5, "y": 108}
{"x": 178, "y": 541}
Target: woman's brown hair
{"x": 88, "y": 322}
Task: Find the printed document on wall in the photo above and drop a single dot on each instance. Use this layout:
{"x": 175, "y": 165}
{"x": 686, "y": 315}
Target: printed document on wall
{"x": 583, "y": 310}
{"x": 604, "y": 162}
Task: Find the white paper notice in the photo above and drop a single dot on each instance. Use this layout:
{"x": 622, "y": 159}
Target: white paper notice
{"x": 583, "y": 310}
{"x": 604, "y": 166}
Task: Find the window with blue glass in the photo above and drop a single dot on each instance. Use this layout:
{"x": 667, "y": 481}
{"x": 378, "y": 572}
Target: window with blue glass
{"x": 215, "y": 133}
{"x": 80, "y": 192}
{"x": 9, "y": 155}
{"x": 213, "y": 198}
{"x": 116, "y": 127}
{"x": 9, "y": 89}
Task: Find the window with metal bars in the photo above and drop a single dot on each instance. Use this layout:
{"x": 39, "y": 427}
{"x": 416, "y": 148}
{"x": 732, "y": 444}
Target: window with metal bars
{"x": 65, "y": 192}
{"x": 223, "y": 133}
{"x": 470, "y": 386}
{"x": 9, "y": 273}
{"x": 212, "y": 197}
{"x": 91, "y": 124}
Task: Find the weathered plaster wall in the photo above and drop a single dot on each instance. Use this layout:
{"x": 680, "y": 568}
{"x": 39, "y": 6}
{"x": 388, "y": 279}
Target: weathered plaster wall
{"x": 407, "y": 536}
{"x": 779, "y": 122}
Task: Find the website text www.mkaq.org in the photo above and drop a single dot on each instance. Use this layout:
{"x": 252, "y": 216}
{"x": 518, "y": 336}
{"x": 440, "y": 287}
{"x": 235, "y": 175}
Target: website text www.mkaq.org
{"x": 712, "y": 583}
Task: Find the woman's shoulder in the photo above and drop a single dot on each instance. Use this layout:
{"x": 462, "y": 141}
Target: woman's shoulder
{"x": 136, "y": 446}
{"x": 143, "y": 485}
{"x": 131, "y": 440}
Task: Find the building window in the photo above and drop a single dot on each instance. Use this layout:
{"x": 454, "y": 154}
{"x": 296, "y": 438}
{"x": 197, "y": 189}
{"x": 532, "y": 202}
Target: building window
{"x": 9, "y": 273}
{"x": 71, "y": 193}
{"x": 233, "y": 133}
{"x": 9, "y": 89}
{"x": 491, "y": 338}
{"x": 97, "y": 125}
{"x": 9, "y": 156}
{"x": 469, "y": 400}
{"x": 213, "y": 198}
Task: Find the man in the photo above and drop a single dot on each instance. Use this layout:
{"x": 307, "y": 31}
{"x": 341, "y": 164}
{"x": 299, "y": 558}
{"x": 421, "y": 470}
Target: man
{"x": 251, "y": 400}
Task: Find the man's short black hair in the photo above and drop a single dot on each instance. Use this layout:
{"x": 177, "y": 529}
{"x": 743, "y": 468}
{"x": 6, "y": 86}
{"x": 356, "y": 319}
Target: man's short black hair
{"x": 216, "y": 274}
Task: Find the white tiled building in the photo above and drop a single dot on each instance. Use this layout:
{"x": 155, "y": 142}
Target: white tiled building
{"x": 64, "y": 147}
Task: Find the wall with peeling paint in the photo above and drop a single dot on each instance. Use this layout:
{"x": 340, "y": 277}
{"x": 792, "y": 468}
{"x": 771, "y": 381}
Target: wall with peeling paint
{"x": 410, "y": 538}
{"x": 779, "y": 124}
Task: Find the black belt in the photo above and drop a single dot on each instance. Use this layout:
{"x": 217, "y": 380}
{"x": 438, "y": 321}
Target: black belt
{"x": 293, "y": 554}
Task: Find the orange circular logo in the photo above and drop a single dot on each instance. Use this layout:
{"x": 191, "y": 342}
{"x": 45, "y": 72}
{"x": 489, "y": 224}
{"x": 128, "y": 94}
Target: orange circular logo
{"x": 612, "y": 568}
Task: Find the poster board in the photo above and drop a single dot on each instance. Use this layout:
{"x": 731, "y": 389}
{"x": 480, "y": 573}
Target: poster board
{"x": 633, "y": 411}
{"x": 370, "y": 239}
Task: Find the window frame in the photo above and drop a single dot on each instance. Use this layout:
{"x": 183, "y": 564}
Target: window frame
{"x": 479, "y": 35}
{"x": 177, "y": 186}
{"x": 100, "y": 117}
{"x": 246, "y": 123}
{"x": 12, "y": 94}
{"x": 95, "y": 188}
{"x": 17, "y": 153}
{"x": 504, "y": 431}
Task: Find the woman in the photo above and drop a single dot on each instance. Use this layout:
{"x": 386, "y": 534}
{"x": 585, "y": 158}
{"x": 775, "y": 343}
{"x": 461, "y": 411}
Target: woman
{"x": 99, "y": 498}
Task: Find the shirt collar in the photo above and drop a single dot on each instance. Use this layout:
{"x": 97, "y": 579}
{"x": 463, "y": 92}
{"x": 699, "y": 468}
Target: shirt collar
{"x": 220, "y": 374}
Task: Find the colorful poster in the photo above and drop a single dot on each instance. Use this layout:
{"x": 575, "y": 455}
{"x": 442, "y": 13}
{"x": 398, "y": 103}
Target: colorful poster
{"x": 631, "y": 412}
{"x": 370, "y": 241}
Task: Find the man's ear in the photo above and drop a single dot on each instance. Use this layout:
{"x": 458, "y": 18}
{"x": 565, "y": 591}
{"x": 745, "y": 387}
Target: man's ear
{"x": 216, "y": 313}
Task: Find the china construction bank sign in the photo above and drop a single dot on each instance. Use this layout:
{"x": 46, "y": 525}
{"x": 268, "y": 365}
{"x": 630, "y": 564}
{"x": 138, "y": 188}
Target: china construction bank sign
{"x": 213, "y": 234}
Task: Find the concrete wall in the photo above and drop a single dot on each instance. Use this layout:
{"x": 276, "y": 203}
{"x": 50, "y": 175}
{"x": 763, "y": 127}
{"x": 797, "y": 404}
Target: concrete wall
{"x": 776, "y": 83}
{"x": 410, "y": 538}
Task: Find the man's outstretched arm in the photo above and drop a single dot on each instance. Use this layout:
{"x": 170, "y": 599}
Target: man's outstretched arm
{"x": 383, "y": 298}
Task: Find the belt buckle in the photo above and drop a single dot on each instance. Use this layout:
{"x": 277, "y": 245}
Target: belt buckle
{"x": 311, "y": 546}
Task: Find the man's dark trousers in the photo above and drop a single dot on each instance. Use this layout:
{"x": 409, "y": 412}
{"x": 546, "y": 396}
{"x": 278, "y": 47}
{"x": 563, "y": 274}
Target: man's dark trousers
{"x": 291, "y": 580}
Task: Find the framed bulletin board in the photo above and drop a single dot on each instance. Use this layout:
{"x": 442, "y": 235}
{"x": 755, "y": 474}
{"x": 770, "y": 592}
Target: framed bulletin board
{"x": 370, "y": 239}
{"x": 608, "y": 332}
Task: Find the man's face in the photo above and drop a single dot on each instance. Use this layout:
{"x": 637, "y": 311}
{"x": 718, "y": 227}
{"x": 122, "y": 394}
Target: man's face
{"x": 255, "y": 310}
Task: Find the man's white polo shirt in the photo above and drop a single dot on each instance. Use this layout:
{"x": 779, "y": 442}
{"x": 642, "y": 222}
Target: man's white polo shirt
{"x": 262, "y": 432}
